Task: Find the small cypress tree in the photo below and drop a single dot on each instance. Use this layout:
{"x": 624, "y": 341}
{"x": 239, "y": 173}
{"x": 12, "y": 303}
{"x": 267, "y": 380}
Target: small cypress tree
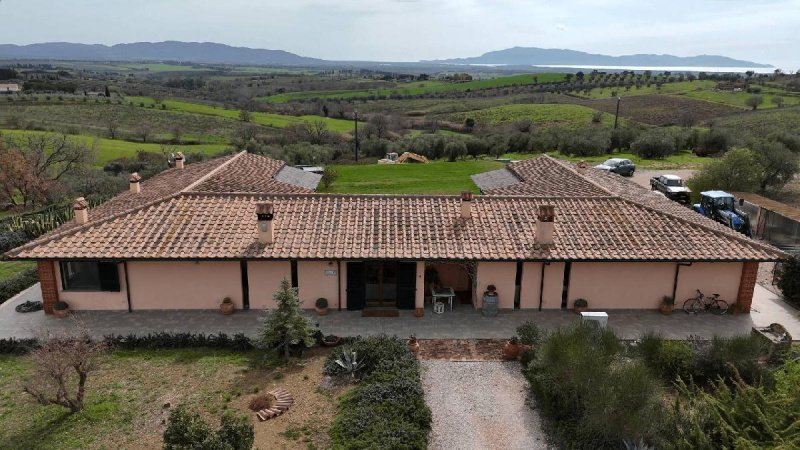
{"x": 286, "y": 325}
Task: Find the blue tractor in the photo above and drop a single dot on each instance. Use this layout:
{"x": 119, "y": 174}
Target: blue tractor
{"x": 721, "y": 206}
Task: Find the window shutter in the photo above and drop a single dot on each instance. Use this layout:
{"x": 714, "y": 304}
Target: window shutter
{"x": 109, "y": 276}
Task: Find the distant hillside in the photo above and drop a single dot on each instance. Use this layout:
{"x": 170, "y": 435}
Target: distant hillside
{"x": 199, "y": 52}
{"x": 523, "y": 56}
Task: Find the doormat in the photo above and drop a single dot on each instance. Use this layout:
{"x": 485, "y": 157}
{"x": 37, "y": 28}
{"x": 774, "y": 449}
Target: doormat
{"x": 380, "y": 313}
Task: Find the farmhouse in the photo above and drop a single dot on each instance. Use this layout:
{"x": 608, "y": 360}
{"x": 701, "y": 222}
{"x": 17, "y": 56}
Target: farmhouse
{"x": 9, "y": 88}
{"x": 544, "y": 233}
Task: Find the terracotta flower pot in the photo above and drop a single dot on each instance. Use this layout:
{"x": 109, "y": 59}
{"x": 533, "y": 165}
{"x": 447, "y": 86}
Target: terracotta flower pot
{"x": 579, "y": 309}
{"x": 419, "y": 312}
{"x": 61, "y": 313}
{"x": 331, "y": 341}
{"x": 321, "y": 311}
{"x": 511, "y": 350}
{"x": 413, "y": 345}
{"x": 226, "y": 308}
{"x": 666, "y": 309}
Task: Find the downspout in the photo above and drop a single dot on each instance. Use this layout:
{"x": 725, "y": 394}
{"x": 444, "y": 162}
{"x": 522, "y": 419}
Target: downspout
{"x": 127, "y": 285}
{"x": 675, "y": 281}
{"x": 339, "y": 281}
{"x": 541, "y": 286}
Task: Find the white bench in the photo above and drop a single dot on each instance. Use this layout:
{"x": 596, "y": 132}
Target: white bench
{"x": 599, "y": 318}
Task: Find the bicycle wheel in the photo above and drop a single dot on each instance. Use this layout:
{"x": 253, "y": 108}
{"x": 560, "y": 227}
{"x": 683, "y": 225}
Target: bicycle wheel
{"x": 690, "y": 306}
{"x": 718, "y": 307}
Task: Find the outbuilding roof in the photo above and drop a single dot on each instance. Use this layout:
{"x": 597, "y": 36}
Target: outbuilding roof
{"x": 592, "y": 223}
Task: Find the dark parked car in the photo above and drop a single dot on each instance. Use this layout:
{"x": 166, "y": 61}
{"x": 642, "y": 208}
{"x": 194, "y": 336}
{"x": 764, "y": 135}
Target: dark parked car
{"x": 624, "y": 167}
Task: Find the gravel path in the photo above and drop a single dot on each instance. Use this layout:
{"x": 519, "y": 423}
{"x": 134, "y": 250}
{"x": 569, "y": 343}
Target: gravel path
{"x": 480, "y": 405}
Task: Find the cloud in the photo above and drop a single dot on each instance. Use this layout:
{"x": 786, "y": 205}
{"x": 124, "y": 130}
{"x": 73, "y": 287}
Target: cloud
{"x": 560, "y": 27}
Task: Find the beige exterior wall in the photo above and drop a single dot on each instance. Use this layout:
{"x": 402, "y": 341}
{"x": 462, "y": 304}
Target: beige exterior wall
{"x": 502, "y": 275}
{"x": 89, "y": 300}
{"x": 531, "y": 285}
{"x": 264, "y": 278}
{"x": 633, "y": 285}
{"x": 317, "y": 279}
{"x": 184, "y": 284}
{"x": 711, "y": 278}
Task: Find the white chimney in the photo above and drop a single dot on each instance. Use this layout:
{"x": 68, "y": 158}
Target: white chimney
{"x": 466, "y": 204}
{"x": 265, "y": 214}
{"x": 135, "y": 183}
{"x": 581, "y": 167}
{"x": 545, "y": 225}
{"x": 81, "y": 208}
{"x": 179, "y": 160}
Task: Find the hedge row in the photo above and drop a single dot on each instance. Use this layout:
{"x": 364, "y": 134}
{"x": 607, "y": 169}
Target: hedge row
{"x": 14, "y": 285}
{"x": 236, "y": 342}
{"x": 387, "y": 408}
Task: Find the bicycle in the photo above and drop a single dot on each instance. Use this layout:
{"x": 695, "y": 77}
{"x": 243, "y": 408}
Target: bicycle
{"x": 700, "y": 302}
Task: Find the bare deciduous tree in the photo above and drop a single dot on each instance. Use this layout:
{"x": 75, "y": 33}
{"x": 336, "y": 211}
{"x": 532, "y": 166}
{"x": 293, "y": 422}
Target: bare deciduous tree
{"x": 143, "y": 131}
{"x": 62, "y": 366}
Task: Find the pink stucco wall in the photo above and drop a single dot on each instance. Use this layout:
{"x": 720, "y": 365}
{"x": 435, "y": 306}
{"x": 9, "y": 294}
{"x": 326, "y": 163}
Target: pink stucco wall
{"x": 621, "y": 285}
{"x": 264, "y": 278}
{"x": 313, "y": 282}
{"x": 88, "y": 300}
{"x": 419, "y": 294}
{"x": 531, "y": 285}
{"x": 503, "y": 276}
{"x": 452, "y": 275}
{"x": 711, "y": 278}
{"x": 184, "y": 284}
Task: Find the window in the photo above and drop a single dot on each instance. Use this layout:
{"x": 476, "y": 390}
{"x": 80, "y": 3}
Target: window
{"x": 89, "y": 276}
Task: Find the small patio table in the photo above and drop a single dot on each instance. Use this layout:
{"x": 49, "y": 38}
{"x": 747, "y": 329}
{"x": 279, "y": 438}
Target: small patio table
{"x": 443, "y": 293}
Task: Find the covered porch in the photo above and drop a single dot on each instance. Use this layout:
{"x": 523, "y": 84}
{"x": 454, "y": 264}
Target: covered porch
{"x": 464, "y": 322}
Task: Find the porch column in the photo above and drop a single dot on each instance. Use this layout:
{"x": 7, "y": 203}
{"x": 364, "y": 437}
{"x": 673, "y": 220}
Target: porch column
{"x": 747, "y": 285}
{"x": 419, "y": 294}
{"x": 47, "y": 278}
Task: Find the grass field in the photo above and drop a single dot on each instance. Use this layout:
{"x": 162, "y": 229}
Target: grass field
{"x": 10, "y": 268}
{"x": 419, "y": 87}
{"x": 761, "y": 123}
{"x": 108, "y": 149}
{"x": 126, "y": 397}
{"x": 541, "y": 115}
{"x": 261, "y": 118}
{"x": 682, "y": 160}
{"x": 438, "y": 177}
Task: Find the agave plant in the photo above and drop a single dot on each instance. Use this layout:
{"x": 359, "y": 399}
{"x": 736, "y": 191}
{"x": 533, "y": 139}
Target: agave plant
{"x": 641, "y": 445}
{"x": 349, "y": 362}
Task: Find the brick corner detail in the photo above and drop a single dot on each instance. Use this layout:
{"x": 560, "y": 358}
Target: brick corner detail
{"x": 747, "y": 284}
{"x": 47, "y": 278}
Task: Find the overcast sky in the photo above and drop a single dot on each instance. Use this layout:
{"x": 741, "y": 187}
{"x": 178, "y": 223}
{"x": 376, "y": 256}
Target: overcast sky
{"x": 763, "y": 31}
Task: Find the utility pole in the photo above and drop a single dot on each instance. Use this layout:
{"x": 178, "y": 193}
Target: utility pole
{"x": 355, "y": 120}
{"x": 616, "y": 116}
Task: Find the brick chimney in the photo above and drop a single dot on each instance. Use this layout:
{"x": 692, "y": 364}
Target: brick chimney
{"x": 135, "y": 182}
{"x": 81, "y": 209}
{"x": 581, "y": 167}
{"x": 544, "y": 224}
{"x": 179, "y": 160}
{"x": 265, "y": 213}
{"x": 466, "y": 204}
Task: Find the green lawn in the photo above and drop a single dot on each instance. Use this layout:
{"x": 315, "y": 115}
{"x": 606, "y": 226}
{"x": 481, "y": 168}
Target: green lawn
{"x": 437, "y": 177}
{"x": 541, "y": 114}
{"x": 159, "y": 67}
{"x": 109, "y": 149}
{"x": 261, "y": 118}
{"x": 419, "y": 87}
{"x": 10, "y": 268}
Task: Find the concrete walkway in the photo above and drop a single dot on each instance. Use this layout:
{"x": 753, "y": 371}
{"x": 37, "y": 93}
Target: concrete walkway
{"x": 462, "y": 323}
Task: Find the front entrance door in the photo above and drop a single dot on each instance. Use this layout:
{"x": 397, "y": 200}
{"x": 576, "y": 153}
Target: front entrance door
{"x": 381, "y": 284}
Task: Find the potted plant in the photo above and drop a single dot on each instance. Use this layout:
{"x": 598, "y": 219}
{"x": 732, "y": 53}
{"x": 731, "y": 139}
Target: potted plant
{"x": 419, "y": 312}
{"x": 413, "y": 344}
{"x": 512, "y": 349}
{"x": 60, "y": 309}
{"x": 331, "y": 340}
{"x": 667, "y": 303}
{"x": 580, "y": 305}
{"x": 489, "y": 308}
{"x": 226, "y": 307}
{"x": 321, "y": 306}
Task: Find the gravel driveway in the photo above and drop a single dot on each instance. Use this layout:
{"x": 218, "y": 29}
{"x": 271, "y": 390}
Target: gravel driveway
{"x": 480, "y": 405}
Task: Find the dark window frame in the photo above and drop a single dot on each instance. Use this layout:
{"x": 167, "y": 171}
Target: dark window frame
{"x": 108, "y": 283}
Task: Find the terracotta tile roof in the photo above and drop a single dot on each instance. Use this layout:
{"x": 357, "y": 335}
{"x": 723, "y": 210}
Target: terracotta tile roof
{"x": 544, "y": 177}
{"x": 252, "y": 174}
{"x": 318, "y": 226}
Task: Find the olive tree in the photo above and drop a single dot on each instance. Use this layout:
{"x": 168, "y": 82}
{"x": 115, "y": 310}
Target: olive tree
{"x": 739, "y": 170}
{"x": 754, "y": 101}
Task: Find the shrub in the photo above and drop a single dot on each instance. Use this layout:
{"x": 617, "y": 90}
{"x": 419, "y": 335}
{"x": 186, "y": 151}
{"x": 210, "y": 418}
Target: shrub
{"x": 790, "y": 280}
{"x": 529, "y": 333}
{"x": 12, "y": 286}
{"x": 321, "y": 303}
{"x": 725, "y": 357}
{"x": 187, "y": 430}
{"x": 237, "y": 342}
{"x": 12, "y": 239}
{"x": 329, "y": 175}
{"x": 13, "y": 346}
{"x": 714, "y": 142}
{"x": 667, "y": 359}
{"x": 585, "y": 142}
{"x": 374, "y": 352}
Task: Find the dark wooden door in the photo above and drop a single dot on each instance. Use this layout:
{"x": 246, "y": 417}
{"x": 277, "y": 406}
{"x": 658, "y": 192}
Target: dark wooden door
{"x": 406, "y": 284}
{"x": 356, "y": 285}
